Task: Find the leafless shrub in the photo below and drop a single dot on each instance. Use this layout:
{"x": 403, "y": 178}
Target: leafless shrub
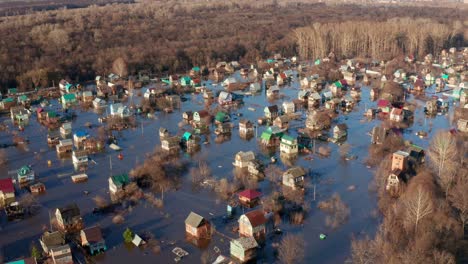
{"x": 324, "y": 151}
{"x": 336, "y": 209}
{"x": 118, "y": 219}
{"x": 100, "y": 201}
{"x": 291, "y": 249}
{"x": 3, "y": 157}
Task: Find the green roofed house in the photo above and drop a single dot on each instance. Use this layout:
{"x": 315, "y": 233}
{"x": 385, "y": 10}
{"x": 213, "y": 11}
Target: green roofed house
{"x": 118, "y": 182}
{"x": 289, "y": 145}
{"x": 23, "y": 99}
{"x": 52, "y": 117}
{"x": 68, "y": 99}
{"x": 221, "y": 117}
{"x": 196, "y": 69}
{"x": 23, "y": 261}
{"x": 186, "y": 136}
{"x": 25, "y": 174}
{"x": 185, "y": 81}
{"x": 267, "y": 138}
{"x": 7, "y": 103}
{"x": 12, "y": 91}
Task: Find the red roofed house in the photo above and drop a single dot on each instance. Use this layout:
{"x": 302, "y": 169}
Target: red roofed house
{"x": 384, "y": 106}
{"x": 249, "y": 197}
{"x": 252, "y": 224}
{"x": 7, "y": 191}
{"x": 396, "y": 114}
{"x": 281, "y": 78}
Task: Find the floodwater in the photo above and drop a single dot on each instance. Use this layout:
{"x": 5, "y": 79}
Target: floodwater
{"x": 334, "y": 176}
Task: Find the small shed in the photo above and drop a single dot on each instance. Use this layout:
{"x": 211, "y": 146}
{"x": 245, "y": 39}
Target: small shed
{"x": 294, "y": 178}
{"x": 249, "y": 197}
{"x": 244, "y": 248}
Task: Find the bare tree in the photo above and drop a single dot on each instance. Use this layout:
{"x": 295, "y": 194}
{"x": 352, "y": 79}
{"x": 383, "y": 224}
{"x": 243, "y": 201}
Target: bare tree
{"x": 362, "y": 251}
{"x": 443, "y": 153}
{"x": 338, "y": 212}
{"x": 459, "y": 199}
{"x": 418, "y": 205}
{"x": 120, "y": 67}
{"x": 291, "y": 249}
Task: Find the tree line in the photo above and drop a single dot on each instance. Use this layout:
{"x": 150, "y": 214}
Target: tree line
{"x": 162, "y": 37}
{"x": 379, "y": 40}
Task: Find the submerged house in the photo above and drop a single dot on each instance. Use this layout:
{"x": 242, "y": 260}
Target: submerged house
{"x": 91, "y": 238}
{"x": 7, "y": 191}
{"x": 62, "y": 255}
{"x": 249, "y": 197}
{"x": 171, "y": 144}
{"x": 340, "y": 131}
{"x": 242, "y": 159}
{"x": 118, "y": 182}
{"x": 244, "y": 248}
{"x": 25, "y": 175}
{"x": 245, "y": 127}
{"x": 64, "y": 146}
{"x": 396, "y": 114}
{"x": 289, "y": 145}
{"x": 69, "y": 218}
{"x": 197, "y": 226}
{"x": 271, "y": 112}
{"x": 462, "y": 125}
{"x": 282, "y": 122}
{"x": 201, "y": 118}
{"x": 294, "y": 178}
{"x": 253, "y": 224}
{"x": 51, "y": 240}
{"x": 378, "y": 135}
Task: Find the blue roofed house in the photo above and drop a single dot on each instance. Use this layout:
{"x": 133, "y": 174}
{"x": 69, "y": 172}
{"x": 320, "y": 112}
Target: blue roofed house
{"x": 79, "y": 138}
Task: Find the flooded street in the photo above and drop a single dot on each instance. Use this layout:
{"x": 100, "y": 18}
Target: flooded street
{"x": 332, "y": 175}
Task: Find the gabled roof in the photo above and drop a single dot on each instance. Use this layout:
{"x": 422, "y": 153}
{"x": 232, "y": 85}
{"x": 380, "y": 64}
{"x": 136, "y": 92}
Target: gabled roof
{"x": 256, "y": 218}
{"x": 194, "y": 220}
{"x": 266, "y": 135}
{"x": 120, "y": 179}
{"x": 51, "y": 239}
{"x": 246, "y": 243}
{"x": 93, "y": 234}
{"x": 250, "y": 194}
{"x": 24, "y": 170}
{"x": 68, "y": 97}
{"x": 220, "y": 116}
{"x": 397, "y": 111}
{"x": 287, "y": 138}
{"x": 295, "y": 172}
{"x": 6, "y": 185}
{"x": 69, "y": 211}
{"x": 383, "y": 103}
{"x": 272, "y": 108}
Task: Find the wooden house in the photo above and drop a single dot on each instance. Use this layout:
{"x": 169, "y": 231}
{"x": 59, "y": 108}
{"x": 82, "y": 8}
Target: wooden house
{"x": 171, "y": 144}
{"x": 25, "y": 175}
{"x": 271, "y": 112}
{"x": 272, "y": 91}
{"x": 7, "y": 103}
{"x": 53, "y": 137}
{"x": 282, "y": 122}
{"x": 24, "y": 100}
{"x": 64, "y": 146}
{"x": 384, "y": 106}
{"x": 163, "y": 133}
{"x": 249, "y": 197}
{"x": 255, "y": 87}
{"x": 187, "y": 116}
{"x": 201, "y": 118}
{"x": 68, "y": 99}
{"x": 7, "y": 191}
{"x": 396, "y": 114}
{"x": 66, "y": 129}
{"x": 52, "y": 118}
{"x": 222, "y": 117}
{"x": 41, "y": 113}
{"x": 87, "y": 96}
{"x": 79, "y": 157}
{"x": 69, "y": 218}
{"x": 340, "y": 131}
{"x": 242, "y": 159}
{"x": 118, "y": 182}
{"x": 395, "y": 180}
{"x": 462, "y": 125}
{"x": 378, "y": 135}
{"x": 225, "y": 98}
{"x": 197, "y": 226}
{"x": 400, "y": 160}
{"x": 62, "y": 255}
{"x": 79, "y": 138}
{"x": 119, "y": 110}
{"x": 19, "y": 114}
{"x": 431, "y": 107}
{"x": 91, "y": 239}
{"x": 336, "y": 88}
{"x": 253, "y": 224}
{"x": 245, "y": 127}
{"x": 255, "y": 168}
{"x": 281, "y": 79}
{"x": 99, "y": 103}
{"x": 223, "y": 129}
{"x": 294, "y": 178}
{"x": 419, "y": 85}
{"x": 350, "y": 77}
{"x": 314, "y": 100}
{"x": 288, "y": 145}
{"x": 244, "y": 248}
{"x": 37, "y": 188}
{"x": 50, "y": 240}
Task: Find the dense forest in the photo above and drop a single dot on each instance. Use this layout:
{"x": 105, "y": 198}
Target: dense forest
{"x": 380, "y": 40}
{"x": 161, "y": 37}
